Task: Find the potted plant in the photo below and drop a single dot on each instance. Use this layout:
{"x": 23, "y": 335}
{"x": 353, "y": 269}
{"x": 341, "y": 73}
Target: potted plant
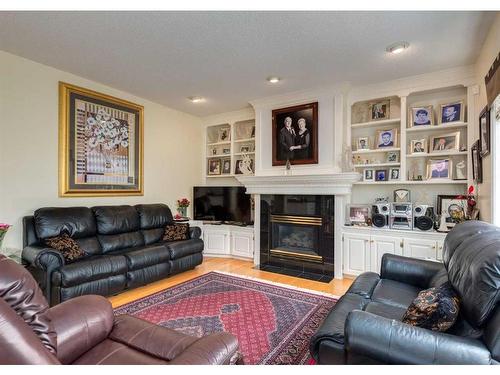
{"x": 182, "y": 205}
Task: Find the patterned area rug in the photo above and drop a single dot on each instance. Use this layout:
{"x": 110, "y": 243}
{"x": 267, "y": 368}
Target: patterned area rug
{"x": 273, "y": 323}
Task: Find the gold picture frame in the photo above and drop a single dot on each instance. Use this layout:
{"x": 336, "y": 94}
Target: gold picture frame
{"x": 444, "y": 143}
{"x": 421, "y": 116}
{"x": 439, "y": 169}
{"x": 100, "y": 144}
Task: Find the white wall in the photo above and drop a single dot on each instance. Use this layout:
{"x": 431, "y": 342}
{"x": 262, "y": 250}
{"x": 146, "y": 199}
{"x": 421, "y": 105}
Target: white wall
{"x": 29, "y": 145}
{"x": 489, "y": 52}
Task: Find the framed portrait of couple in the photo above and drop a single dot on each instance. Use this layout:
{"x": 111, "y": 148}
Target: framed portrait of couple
{"x": 295, "y": 135}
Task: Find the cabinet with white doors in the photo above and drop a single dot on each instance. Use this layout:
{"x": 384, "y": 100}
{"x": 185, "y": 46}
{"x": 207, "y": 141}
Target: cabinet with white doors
{"x": 363, "y": 247}
{"x": 226, "y": 240}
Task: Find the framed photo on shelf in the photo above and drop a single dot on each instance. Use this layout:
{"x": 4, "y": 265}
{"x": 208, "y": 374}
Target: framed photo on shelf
{"x": 295, "y": 135}
{"x": 402, "y": 195}
{"x": 484, "y": 131}
{"x": 477, "y": 163}
{"x": 460, "y": 170}
{"x": 445, "y": 142}
{"x": 394, "y": 174}
{"x": 387, "y": 138}
{"x": 369, "y": 175}
{"x": 380, "y": 110}
{"x": 358, "y": 214}
{"x": 452, "y": 112}
{"x": 244, "y": 166}
{"x": 418, "y": 146}
{"x": 226, "y": 151}
{"x": 452, "y": 207}
{"x": 381, "y": 175}
{"x": 226, "y": 166}
{"x": 363, "y": 143}
{"x": 214, "y": 167}
{"x": 100, "y": 144}
{"x": 245, "y": 149}
{"x": 392, "y": 157}
{"x": 422, "y": 116}
{"x": 438, "y": 169}
{"x": 224, "y": 135}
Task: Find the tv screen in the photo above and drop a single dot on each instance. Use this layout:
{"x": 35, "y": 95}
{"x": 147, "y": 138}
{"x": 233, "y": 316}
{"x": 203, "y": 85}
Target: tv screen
{"x": 222, "y": 203}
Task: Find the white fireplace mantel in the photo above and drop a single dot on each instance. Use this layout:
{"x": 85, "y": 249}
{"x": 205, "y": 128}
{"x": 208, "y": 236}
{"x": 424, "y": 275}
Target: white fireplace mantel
{"x": 320, "y": 184}
{"x": 338, "y": 184}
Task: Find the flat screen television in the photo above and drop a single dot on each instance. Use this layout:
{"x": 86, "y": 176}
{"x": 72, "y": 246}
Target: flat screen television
{"x": 222, "y": 203}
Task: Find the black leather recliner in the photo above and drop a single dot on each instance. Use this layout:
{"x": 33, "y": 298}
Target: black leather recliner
{"x": 365, "y": 327}
{"x": 123, "y": 244}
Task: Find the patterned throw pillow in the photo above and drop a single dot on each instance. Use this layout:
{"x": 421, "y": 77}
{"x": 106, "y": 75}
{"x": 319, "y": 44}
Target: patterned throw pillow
{"x": 435, "y": 308}
{"x": 67, "y": 246}
{"x": 176, "y": 232}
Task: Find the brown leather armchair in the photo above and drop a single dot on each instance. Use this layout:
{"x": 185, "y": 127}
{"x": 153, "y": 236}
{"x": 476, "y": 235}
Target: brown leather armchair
{"x": 83, "y": 331}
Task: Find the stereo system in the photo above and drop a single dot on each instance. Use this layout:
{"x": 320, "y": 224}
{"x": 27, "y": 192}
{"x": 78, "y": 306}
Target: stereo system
{"x": 404, "y": 216}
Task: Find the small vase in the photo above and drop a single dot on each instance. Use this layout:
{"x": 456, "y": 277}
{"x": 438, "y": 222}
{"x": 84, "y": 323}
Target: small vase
{"x": 182, "y": 211}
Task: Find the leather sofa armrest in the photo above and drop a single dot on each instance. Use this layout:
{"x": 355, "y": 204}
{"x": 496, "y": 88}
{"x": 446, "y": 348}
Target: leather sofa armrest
{"x": 416, "y": 272}
{"x": 80, "y": 324}
{"x": 43, "y": 257}
{"x": 194, "y": 232}
{"x": 173, "y": 346}
{"x": 393, "y": 342}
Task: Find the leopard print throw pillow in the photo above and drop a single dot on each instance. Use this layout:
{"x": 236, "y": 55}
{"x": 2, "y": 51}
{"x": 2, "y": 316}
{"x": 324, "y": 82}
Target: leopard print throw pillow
{"x": 435, "y": 309}
{"x": 67, "y": 246}
{"x": 176, "y": 232}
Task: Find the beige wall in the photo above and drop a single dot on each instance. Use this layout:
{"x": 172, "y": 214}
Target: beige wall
{"x": 488, "y": 54}
{"x": 29, "y": 145}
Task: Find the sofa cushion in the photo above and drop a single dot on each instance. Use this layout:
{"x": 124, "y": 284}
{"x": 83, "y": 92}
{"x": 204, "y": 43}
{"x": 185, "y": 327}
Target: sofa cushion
{"x": 471, "y": 256}
{"x": 67, "y": 246}
{"x": 90, "y": 269}
{"x": 154, "y": 215}
{"x": 77, "y": 222}
{"x": 152, "y": 236}
{"x": 146, "y": 256}
{"x": 386, "y": 311}
{"x": 176, "y": 232}
{"x": 394, "y": 293}
{"x": 114, "y": 242}
{"x": 434, "y": 308}
{"x": 364, "y": 284}
{"x": 116, "y": 219}
{"x": 179, "y": 249}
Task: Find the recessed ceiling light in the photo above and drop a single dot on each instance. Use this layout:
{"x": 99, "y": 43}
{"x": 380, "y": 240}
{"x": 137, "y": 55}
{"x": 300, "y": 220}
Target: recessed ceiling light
{"x": 398, "y": 47}
{"x": 273, "y": 79}
{"x": 196, "y": 99}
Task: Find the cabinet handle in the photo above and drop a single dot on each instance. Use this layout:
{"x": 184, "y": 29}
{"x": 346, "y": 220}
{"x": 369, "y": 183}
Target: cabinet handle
{"x": 401, "y": 244}
{"x": 433, "y": 247}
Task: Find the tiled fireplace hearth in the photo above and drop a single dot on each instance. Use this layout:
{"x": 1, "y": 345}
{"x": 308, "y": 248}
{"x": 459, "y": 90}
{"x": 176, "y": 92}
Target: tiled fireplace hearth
{"x": 298, "y": 221}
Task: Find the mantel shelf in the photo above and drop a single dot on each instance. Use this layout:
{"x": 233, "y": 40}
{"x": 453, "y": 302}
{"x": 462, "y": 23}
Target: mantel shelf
{"x": 423, "y": 128}
{"x": 404, "y": 182}
{"x": 375, "y": 123}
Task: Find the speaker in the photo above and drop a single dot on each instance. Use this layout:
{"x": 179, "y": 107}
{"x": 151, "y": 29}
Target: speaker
{"x": 423, "y": 217}
{"x": 380, "y": 215}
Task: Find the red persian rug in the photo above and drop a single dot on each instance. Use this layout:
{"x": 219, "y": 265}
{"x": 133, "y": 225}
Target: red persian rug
{"x": 273, "y": 322}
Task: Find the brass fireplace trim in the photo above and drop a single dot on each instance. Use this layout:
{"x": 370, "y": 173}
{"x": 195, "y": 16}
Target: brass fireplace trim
{"x": 291, "y": 254}
{"x": 301, "y": 220}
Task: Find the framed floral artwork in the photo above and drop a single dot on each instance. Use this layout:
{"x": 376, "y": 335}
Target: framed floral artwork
{"x": 100, "y": 144}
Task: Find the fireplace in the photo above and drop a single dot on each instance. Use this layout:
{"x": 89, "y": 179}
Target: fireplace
{"x": 297, "y": 235}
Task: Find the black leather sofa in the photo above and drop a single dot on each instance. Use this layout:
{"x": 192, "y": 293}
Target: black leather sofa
{"x": 365, "y": 327}
{"x": 123, "y": 244}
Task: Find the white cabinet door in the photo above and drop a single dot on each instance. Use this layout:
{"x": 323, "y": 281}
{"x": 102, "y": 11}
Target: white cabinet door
{"x": 380, "y": 245}
{"x": 216, "y": 242}
{"x": 356, "y": 253}
{"x": 242, "y": 244}
{"x": 420, "y": 248}
{"x": 440, "y": 245}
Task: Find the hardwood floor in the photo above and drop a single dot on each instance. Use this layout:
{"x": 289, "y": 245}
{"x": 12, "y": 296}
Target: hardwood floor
{"x": 235, "y": 266}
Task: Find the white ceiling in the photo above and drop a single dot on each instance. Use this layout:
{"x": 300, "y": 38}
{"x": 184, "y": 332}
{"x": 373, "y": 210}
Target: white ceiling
{"x": 226, "y": 56}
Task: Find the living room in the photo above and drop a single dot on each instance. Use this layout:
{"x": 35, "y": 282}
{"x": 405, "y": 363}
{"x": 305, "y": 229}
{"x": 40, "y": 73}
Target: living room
{"x": 249, "y": 187}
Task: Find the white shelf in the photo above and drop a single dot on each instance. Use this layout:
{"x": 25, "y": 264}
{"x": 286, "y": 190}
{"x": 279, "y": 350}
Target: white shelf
{"x": 220, "y": 175}
{"x": 375, "y": 123}
{"x": 244, "y": 140}
{"x": 405, "y": 182}
{"x": 374, "y": 151}
{"x": 436, "y": 154}
{"x": 423, "y": 128}
{"x": 377, "y": 165}
{"x": 244, "y": 153}
{"x": 219, "y": 143}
